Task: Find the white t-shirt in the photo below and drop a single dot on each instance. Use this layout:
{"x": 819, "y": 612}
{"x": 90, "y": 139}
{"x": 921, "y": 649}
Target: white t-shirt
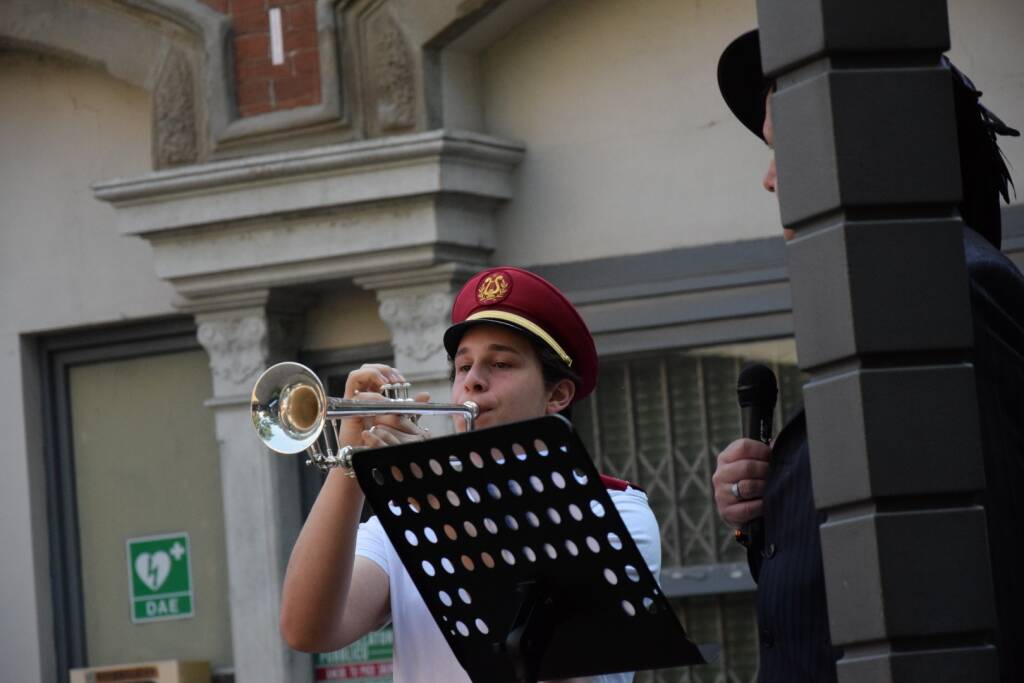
{"x": 421, "y": 654}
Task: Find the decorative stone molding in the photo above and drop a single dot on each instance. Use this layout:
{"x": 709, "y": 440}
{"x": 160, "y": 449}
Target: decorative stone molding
{"x": 343, "y": 211}
{"x": 381, "y": 67}
{"x": 172, "y": 48}
{"x": 417, "y": 323}
{"x": 380, "y": 73}
{"x": 237, "y": 348}
{"x": 390, "y": 76}
{"x": 416, "y": 306}
{"x": 241, "y": 344}
{"x": 418, "y": 318}
{"x": 174, "y": 114}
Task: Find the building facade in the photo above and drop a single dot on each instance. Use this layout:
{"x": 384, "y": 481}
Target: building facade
{"x": 194, "y": 190}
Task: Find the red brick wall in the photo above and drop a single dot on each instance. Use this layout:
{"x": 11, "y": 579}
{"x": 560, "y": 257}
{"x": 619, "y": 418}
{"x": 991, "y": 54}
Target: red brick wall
{"x": 260, "y": 86}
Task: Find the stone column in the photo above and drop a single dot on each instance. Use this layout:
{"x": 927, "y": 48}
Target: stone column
{"x": 262, "y": 513}
{"x": 416, "y": 305}
{"x": 869, "y": 179}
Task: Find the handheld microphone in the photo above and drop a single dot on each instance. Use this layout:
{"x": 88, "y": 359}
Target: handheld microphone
{"x": 757, "y": 391}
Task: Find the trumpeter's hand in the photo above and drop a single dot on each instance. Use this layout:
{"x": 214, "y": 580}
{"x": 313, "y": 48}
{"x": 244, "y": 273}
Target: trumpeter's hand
{"x": 392, "y": 430}
{"x": 364, "y": 384}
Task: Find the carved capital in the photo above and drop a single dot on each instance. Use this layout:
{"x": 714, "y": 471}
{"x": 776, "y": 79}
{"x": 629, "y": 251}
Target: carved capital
{"x": 241, "y": 346}
{"x": 416, "y": 305}
{"x": 174, "y": 114}
{"x": 237, "y": 347}
{"x": 417, "y": 321}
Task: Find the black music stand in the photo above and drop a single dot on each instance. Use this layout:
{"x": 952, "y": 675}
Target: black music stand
{"x": 521, "y": 556}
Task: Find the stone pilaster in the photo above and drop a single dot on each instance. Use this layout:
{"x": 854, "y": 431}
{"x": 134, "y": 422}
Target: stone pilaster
{"x": 869, "y": 179}
{"x": 416, "y": 305}
{"x": 262, "y": 513}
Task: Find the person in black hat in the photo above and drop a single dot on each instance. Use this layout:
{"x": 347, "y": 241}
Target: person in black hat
{"x": 773, "y": 485}
{"x": 520, "y": 350}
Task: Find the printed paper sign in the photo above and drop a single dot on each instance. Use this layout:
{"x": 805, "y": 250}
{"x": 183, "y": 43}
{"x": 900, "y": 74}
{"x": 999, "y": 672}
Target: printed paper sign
{"x": 160, "y": 577}
{"x": 368, "y": 660}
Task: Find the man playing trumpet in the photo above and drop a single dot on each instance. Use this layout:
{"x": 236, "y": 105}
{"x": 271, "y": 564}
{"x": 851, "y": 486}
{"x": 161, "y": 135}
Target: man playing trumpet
{"x": 519, "y": 350}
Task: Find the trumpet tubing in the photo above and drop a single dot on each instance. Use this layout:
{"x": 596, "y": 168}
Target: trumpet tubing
{"x": 291, "y": 413}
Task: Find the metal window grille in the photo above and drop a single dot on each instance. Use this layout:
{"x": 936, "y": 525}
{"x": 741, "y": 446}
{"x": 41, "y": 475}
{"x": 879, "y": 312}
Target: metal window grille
{"x": 660, "y": 421}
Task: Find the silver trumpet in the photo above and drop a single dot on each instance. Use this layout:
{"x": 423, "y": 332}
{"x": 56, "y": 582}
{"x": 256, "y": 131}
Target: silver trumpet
{"x": 291, "y": 412}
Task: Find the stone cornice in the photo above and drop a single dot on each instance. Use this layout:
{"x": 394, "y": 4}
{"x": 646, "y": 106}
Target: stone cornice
{"x": 339, "y": 172}
{"x": 452, "y": 273}
{"x": 311, "y": 215}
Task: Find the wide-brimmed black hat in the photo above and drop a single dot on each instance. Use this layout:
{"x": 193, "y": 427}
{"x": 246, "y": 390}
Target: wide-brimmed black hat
{"x": 741, "y": 82}
{"x": 982, "y": 167}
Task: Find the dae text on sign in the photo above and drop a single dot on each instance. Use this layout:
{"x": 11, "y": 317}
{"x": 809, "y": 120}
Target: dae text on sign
{"x": 160, "y": 577}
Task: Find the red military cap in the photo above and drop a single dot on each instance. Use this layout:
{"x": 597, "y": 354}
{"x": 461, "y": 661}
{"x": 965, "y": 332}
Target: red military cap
{"x": 528, "y": 303}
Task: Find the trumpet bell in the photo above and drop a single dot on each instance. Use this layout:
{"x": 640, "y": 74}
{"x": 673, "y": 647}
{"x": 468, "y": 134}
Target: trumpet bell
{"x": 289, "y": 407}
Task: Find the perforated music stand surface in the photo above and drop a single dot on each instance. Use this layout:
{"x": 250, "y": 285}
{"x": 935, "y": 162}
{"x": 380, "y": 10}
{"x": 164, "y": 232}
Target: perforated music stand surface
{"x": 520, "y": 555}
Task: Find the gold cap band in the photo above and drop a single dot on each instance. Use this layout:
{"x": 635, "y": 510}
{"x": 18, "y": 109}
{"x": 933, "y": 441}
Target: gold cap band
{"x": 527, "y": 325}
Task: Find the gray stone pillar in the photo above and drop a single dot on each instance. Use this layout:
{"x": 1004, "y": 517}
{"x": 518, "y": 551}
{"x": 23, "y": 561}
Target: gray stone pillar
{"x": 416, "y": 305}
{"x": 262, "y": 513}
{"x": 869, "y": 179}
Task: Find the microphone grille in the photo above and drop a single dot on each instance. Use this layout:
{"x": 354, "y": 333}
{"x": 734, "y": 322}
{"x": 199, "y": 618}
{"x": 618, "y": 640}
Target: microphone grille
{"x": 756, "y": 385}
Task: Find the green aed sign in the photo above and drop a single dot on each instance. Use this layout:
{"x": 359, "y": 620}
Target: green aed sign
{"x": 160, "y": 577}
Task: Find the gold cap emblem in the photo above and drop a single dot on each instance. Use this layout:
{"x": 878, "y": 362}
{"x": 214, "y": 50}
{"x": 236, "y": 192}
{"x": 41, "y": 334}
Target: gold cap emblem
{"x": 493, "y": 288}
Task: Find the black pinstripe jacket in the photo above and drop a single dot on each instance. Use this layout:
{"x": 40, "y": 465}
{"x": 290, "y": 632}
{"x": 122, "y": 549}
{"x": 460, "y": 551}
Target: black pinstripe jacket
{"x": 785, "y": 559}
{"x": 785, "y": 555}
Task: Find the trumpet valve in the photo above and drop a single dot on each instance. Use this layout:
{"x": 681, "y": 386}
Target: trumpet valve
{"x": 399, "y": 391}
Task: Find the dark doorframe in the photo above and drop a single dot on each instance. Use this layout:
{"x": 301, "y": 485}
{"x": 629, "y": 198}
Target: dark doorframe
{"x": 57, "y": 354}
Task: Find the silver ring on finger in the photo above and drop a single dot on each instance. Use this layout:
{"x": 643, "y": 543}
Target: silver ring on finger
{"x": 735, "y": 489}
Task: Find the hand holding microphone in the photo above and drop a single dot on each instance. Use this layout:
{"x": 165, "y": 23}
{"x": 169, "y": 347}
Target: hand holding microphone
{"x": 743, "y": 466}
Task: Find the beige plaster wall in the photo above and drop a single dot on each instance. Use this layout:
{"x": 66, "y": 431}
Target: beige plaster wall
{"x": 987, "y": 38}
{"x": 63, "y": 127}
{"x": 630, "y": 149}
{"x": 62, "y": 265}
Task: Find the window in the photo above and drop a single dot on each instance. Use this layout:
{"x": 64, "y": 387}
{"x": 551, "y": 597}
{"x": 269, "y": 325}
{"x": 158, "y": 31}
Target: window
{"x": 130, "y": 452}
{"x": 659, "y": 421}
